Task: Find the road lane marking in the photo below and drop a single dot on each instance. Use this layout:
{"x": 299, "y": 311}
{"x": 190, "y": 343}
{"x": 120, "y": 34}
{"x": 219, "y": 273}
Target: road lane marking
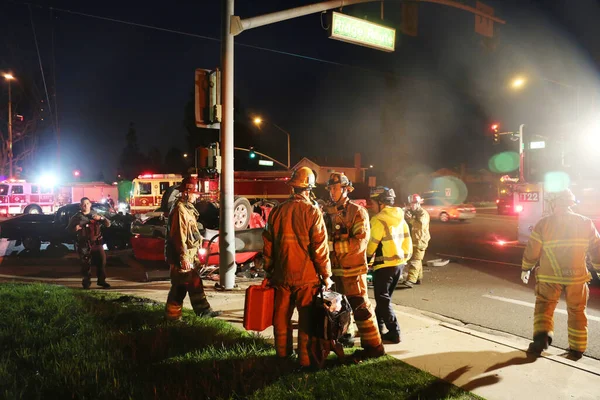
{"x": 532, "y": 305}
{"x": 477, "y": 259}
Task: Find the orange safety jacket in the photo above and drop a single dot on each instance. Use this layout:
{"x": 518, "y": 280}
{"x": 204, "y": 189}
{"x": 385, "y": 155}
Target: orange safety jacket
{"x": 295, "y": 243}
{"x": 560, "y": 242}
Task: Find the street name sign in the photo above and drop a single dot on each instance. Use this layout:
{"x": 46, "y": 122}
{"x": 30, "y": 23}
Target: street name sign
{"x": 361, "y": 32}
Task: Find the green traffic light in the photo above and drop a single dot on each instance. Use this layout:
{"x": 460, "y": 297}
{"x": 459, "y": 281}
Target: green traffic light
{"x": 252, "y": 154}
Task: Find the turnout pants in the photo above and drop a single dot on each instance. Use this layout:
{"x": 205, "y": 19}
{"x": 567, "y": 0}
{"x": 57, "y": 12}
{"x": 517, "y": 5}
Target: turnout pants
{"x": 415, "y": 265}
{"x": 287, "y": 298}
{"x": 92, "y": 256}
{"x": 546, "y": 299}
{"x": 384, "y": 282}
{"x": 355, "y": 289}
{"x": 183, "y": 283}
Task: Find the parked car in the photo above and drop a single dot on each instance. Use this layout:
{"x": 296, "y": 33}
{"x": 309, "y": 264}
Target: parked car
{"x": 33, "y": 229}
{"x": 152, "y": 227}
{"x": 444, "y": 210}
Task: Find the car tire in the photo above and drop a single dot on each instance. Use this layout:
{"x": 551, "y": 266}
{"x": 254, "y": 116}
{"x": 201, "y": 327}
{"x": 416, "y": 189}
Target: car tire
{"x": 444, "y": 217}
{"x": 32, "y": 243}
{"x": 33, "y": 209}
{"x": 242, "y": 211}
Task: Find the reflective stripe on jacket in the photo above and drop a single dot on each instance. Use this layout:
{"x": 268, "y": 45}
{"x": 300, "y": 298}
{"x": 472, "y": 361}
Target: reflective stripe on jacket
{"x": 390, "y": 239}
{"x": 183, "y": 236}
{"x": 560, "y": 243}
{"x": 295, "y": 243}
{"x": 349, "y": 230}
{"x": 418, "y": 220}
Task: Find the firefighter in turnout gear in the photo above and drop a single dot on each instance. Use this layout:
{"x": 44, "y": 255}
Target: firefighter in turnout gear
{"x": 418, "y": 221}
{"x": 559, "y": 243}
{"x": 348, "y": 228}
{"x": 391, "y": 245}
{"x": 296, "y": 262}
{"x": 88, "y": 226}
{"x": 181, "y": 253}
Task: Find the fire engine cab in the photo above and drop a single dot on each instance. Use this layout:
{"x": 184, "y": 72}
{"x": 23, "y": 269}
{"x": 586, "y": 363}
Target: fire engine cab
{"x": 21, "y": 197}
{"x": 147, "y": 191}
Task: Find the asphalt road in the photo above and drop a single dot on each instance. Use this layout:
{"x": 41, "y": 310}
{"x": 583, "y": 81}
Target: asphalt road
{"x": 488, "y": 294}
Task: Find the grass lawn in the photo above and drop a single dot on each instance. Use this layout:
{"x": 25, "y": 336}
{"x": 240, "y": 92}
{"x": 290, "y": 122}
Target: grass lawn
{"x": 60, "y": 343}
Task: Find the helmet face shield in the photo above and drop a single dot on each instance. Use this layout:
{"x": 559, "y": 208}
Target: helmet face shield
{"x": 383, "y": 195}
{"x": 342, "y": 179}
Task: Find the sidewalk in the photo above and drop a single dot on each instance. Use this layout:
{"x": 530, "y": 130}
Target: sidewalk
{"x": 490, "y": 364}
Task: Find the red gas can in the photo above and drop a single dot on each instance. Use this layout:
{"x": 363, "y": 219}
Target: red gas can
{"x": 258, "y": 308}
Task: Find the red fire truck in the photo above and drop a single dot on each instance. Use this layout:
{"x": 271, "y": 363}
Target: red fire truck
{"x": 252, "y": 189}
{"x": 20, "y": 197}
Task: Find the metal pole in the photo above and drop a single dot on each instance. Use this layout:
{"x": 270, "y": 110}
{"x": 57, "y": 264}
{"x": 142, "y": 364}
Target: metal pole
{"x": 288, "y": 142}
{"x": 521, "y": 155}
{"x": 227, "y": 265}
{"x": 10, "y": 139}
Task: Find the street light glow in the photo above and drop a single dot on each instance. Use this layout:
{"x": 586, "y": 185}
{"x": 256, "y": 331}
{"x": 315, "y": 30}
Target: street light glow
{"x": 8, "y": 77}
{"x": 257, "y": 120}
{"x": 185, "y": 155}
{"x": 518, "y": 83}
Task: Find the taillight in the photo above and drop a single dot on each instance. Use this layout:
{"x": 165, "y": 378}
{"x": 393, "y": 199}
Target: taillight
{"x": 497, "y": 201}
{"x": 518, "y": 208}
{"x": 202, "y": 252}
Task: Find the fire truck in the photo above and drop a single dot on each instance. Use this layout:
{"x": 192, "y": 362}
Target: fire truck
{"x": 20, "y": 197}
{"x": 147, "y": 191}
{"x": 254, "y": 191}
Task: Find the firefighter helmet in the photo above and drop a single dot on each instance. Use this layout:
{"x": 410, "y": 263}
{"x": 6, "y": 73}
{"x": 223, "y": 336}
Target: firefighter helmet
{"x": 415, "y": 199}
{"x": 564, "y": 198}
{"x": 303, "y": 178}
{"x": 189, "y": 184}
{"x": 383, "y": 195}
{"x": 342, "y": 179}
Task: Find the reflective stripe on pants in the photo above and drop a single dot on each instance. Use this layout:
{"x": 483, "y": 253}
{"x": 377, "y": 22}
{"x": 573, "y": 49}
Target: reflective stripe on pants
{"x": 355, "y": 289}
{"x": 286, "y": 299}
{"x": 547, "y": 296}
{"x": 183, "y": 283}
{"x": 415, "y": 265}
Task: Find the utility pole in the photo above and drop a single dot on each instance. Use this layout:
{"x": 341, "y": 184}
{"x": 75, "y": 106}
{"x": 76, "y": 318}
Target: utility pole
{"x": 9, "y": 78}
{"x": 521, "y": 154}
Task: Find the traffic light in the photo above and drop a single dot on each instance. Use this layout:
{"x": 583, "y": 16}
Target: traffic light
{"x": 252, "y": 154}
{"x": 208, "y": 98}
{"x": 496, "y": 134}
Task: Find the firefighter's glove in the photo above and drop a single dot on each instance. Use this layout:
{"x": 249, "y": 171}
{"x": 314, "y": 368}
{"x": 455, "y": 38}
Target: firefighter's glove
{"x": 525, "y": 276}
{"x": 186, "y": 265}
{"x": 328, "y": 283}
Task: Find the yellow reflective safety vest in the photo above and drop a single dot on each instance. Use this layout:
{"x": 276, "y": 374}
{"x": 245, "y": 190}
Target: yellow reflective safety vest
{"x": 390, "y": 240}
{"x": 560, "y": 242}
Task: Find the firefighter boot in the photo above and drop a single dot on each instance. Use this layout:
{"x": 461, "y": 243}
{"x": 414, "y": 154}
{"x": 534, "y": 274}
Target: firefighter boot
{"x": 369, "y": 352}
{"x": 541, "y": 341}
{"x": 209, "y": 313}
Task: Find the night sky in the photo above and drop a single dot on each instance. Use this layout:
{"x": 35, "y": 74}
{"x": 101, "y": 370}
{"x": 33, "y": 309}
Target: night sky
{"x": 438, "y": 93}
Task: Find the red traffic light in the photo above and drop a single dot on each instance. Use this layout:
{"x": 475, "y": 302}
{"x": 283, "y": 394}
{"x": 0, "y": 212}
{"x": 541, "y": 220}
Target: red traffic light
{"x": 495, "y": 127}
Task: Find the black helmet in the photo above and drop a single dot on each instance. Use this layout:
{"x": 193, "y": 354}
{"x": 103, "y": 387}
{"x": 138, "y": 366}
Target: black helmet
{"x": 383, "y": 195}
{"x": 342, "y": 179}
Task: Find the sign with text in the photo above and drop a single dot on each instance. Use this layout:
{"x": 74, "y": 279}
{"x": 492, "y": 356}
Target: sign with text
{"x": 529, "y": 197}
{"x": 361, "y": 32}
{"x": 267, "y": 163}
{"x": 537, "y": 145}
